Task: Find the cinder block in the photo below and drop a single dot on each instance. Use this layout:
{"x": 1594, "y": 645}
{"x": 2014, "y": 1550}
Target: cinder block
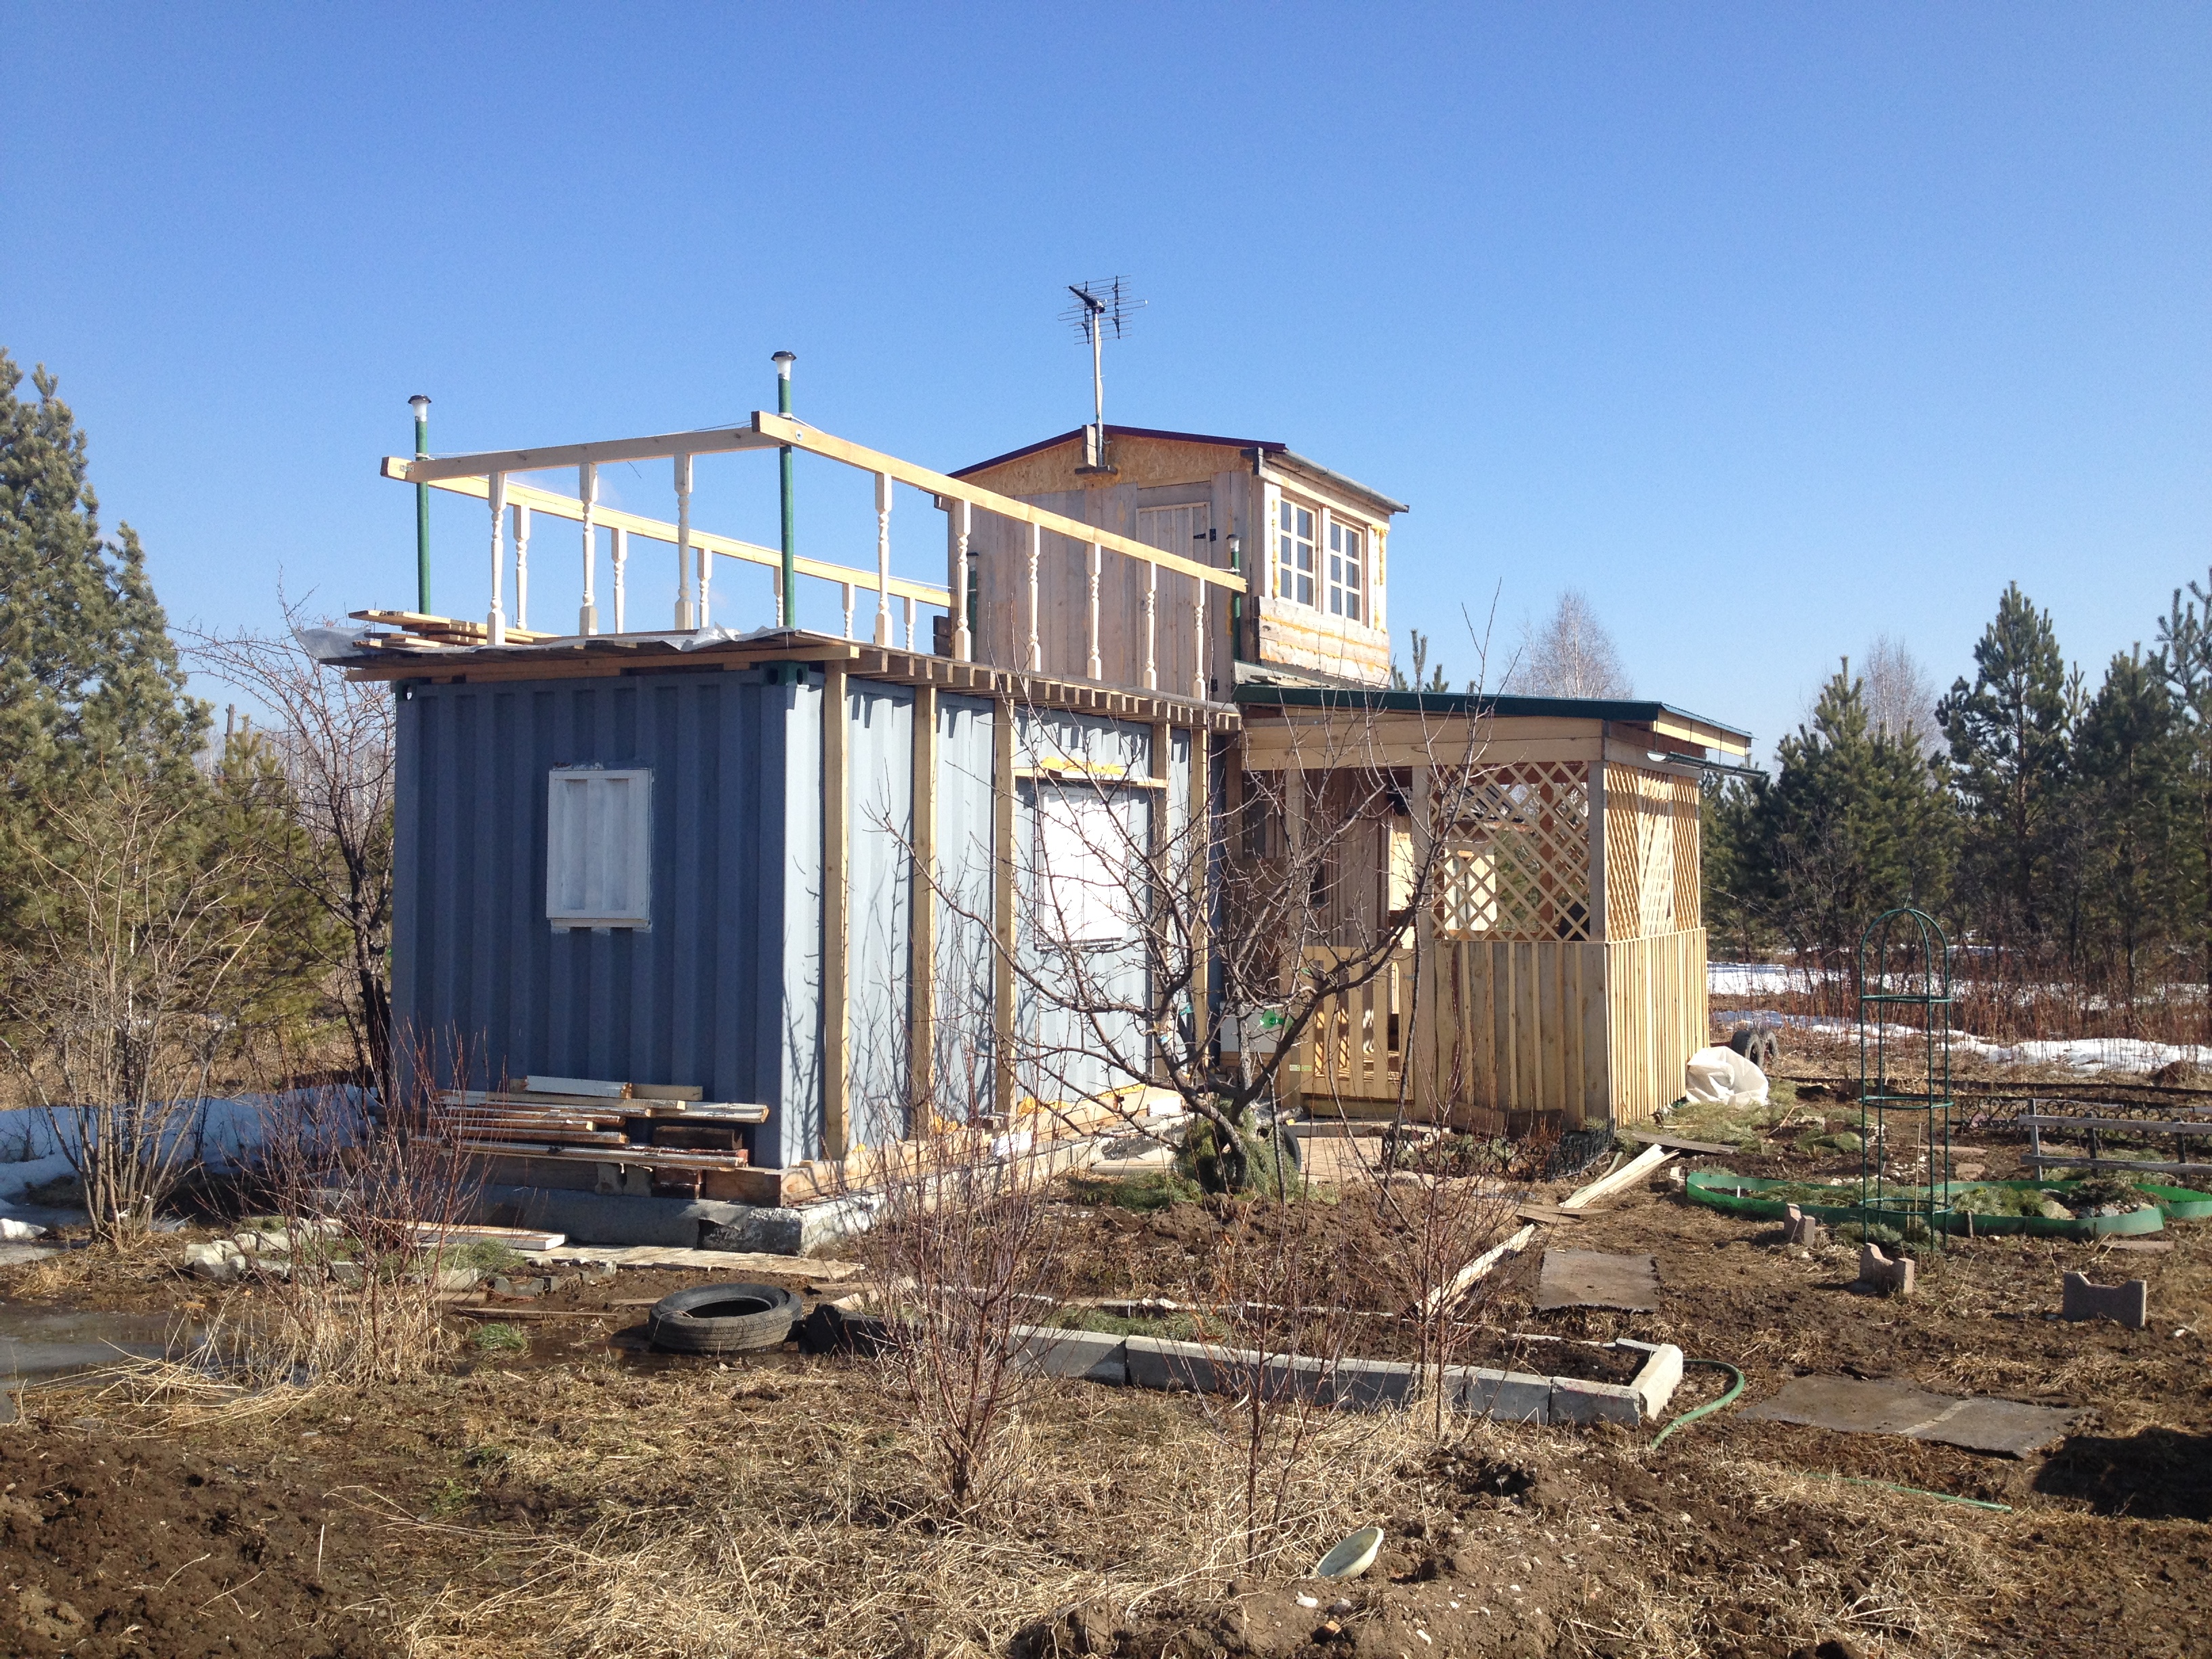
{"x": 1509, "y": 1396}
{"x": 1156, "y": 1363}
{"x": 1574, "y": 1400}
{"x": 2130, "y": 1303}
{"x": 1661, "y": 1375}
{"x": 1299, "y": 1378}
{"x": 1799, "y": 1228}
{"x": 1367, "y": 1385}
{"x": 1087, "y": 1356}
{"x": 1877, "y": 1271}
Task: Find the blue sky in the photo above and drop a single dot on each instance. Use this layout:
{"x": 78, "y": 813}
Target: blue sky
{"x": 1772, "y": 328}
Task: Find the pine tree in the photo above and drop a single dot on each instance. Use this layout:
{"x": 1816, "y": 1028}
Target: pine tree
{"x": 1855, "y": 821}
{"x": 2130, "y": 769}
{"x": 2010, "y": 734}
{"x": 2185, "y": 657}
{"x": 90, "y": 680}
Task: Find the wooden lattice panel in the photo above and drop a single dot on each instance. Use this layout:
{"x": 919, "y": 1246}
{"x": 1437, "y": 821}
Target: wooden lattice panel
{"x": 1517, "y": 866}
{"x": 1653, "y": 875}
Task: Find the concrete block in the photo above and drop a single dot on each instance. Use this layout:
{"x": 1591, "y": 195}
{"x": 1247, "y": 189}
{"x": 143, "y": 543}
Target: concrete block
{"x": 1367, "y": 1385}
{"x": 220, "y": 1260}
{"x": 1574, "y": 1400}
{"x": 1301, "y": 1379}
{"x": 1087, "y": 1356}
{"x": 1192, "y": 1367}
{"x": 1877, "y": 1271}
{"x": 1799, "y": 1228}
{"x": 1509, "y": 1396}
{"x": 1661, "y": 1375}
{"x": 2130, "y": 1303}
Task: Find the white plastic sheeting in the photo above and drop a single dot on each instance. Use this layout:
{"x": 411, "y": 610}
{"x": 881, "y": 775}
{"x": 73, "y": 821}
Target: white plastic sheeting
{"x": 1722, "y": 1077}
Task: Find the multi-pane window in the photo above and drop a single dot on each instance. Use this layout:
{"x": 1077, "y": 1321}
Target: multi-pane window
{"x": 1294, "y": 553}
{"x": 598, "y": 848}
{"x": 1347, "y": 569}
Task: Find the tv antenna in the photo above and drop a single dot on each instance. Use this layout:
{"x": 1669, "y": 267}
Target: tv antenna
{"x": 1102, "y": 305}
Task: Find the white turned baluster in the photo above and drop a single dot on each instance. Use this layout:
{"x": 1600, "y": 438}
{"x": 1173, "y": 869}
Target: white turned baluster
{"x": 964, "y": 643}
{"x": 1091, "y": 666}
{"x": 496, "y": 620}
{"x": 588, "y": 492}
{"x": 622, "y": 557}
{"x": 908, "y": 600}
{"x": 883, "y": 558}
{"x": 1036, "y": 553}
{"x": 1198, "y": 639}
{"x": 847, "y": 588}
{"x": 521, "y": 566}
{"x": 775, "y": 593}
{"x": 1151, "y": 626}
{"x": 684, "y": 611}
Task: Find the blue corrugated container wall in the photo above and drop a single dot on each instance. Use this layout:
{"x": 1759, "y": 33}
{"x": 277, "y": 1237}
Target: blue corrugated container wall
{"x": 723, "y": 991}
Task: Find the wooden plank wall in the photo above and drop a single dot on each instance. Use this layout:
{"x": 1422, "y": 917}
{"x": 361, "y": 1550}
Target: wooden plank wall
{"x": 1521, "y": 1028}
{"x": 1656, "y": 1017}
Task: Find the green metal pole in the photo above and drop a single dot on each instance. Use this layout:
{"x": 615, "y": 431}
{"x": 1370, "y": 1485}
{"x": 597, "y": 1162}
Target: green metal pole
{"x": 783, "y": 362}
{"x": 420, "y": 405}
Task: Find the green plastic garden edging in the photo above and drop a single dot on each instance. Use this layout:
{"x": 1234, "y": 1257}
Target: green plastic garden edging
{"x": 1739, "y": 1195}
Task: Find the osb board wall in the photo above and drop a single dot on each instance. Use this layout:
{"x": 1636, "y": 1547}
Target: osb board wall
{"x": 1138, "y": 461}
{"x": 1656, "y": 1018}
{"x": 1652, "y": 871}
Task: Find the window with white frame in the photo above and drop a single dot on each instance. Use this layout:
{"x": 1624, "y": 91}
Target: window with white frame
{"x": 599, "y": 847}
{"x": 1084, "y": 854}
{"x": 1347, "y": 568}
{"x": 1294, "y": 552}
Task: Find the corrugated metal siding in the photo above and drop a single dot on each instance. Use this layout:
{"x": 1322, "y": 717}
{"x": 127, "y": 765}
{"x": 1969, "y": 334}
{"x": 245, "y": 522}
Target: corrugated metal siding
{"x": 880, "y": 885}
{"x": 723, "y": 991}
{"x": 962, "y": 1047}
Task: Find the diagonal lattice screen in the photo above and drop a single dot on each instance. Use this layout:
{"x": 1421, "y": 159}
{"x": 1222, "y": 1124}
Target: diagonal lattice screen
{"x": 1517, "y": 866}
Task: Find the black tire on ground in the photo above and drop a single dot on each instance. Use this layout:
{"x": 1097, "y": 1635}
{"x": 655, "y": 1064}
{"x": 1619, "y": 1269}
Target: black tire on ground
{"x": 722, "y": 1319}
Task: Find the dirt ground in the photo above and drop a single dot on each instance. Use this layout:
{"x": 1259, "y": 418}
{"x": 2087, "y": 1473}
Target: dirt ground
{"x": 581, "y": 1497}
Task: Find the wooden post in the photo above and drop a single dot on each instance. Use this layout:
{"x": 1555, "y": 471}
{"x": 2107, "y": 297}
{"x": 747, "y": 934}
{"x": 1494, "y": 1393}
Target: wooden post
{"x": 921, "y": 971}
{"x": 836, "y": 1014}
{"x": 521, "y": 566}
{"x": 1091, "y": 669}
{"x": 1036, "y": 553}
{"x": 1296, "y": 1068}
{"x": 884, "y": 559}
{"x": 1157, "y": 843}
{"x": 496, "y": 618}
{"x": 588, "y": 492}
{"x": 963, "y": 642}
{"x": 621, "y": 555}
{"x": 1201, "y": 879}
{"x": 1002, "y": 902}
{"x": 1152, "y": 627}
{"x": 1418, "y": 1044}
{"x": 1597, "y": 841}
{"x": 685, "y": 614}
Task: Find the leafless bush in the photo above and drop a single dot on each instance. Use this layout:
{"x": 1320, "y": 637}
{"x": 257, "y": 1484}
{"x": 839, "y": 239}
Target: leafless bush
{"x": 332, "y": 739}
{"x": 364, "y": 1205}
{"x": 115, "y": 1006}
{"x": 964, "y": 1244}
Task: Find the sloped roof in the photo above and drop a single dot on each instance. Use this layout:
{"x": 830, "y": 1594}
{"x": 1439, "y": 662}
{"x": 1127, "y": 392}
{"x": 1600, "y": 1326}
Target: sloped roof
{"x": 1266, "y": 445}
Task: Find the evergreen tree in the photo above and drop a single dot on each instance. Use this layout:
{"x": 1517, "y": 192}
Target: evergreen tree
{"x": 2130, "y": 768}
{"x": 88, "y": 674}
{"x": 2009, "y": 735}
{"x": 1854, "y": 822}
{"x": 2185, "y": 657}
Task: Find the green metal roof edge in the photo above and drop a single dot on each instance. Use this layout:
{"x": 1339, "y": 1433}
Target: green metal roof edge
{"x": 1473, "y": 702}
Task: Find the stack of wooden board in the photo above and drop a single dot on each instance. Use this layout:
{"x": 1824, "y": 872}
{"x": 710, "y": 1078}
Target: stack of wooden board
{"x": 413, "y": 629}
{"x": 626, "y": 1137}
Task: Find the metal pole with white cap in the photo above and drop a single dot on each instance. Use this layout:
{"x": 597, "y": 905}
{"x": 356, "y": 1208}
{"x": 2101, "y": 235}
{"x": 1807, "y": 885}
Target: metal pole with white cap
{"x": 783, "y": 360}
{"x": 420, "y": 405}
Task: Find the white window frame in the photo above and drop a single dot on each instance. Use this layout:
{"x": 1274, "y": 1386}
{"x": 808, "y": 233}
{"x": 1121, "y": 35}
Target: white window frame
{"x": 1340, "y": 562}
{"x": 1284, "y": 534}
{"x": 599, "y": 847}
{"x": 1085, "y": 869}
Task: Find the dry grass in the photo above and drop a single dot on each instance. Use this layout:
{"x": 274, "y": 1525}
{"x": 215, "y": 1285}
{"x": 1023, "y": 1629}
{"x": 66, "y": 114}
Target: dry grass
{"x": 810, "y": 1528}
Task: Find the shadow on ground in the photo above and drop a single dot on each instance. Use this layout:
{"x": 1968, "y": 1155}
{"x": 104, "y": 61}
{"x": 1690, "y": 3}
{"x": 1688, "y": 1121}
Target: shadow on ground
{"x": 2156, "y": 1474}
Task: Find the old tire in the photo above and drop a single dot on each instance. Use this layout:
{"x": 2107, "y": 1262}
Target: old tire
{"x": 722, "y": 1319}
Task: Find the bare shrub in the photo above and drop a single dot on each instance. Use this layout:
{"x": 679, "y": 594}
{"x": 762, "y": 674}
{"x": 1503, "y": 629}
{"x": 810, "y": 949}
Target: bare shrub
{"x": 116, "y": 1005}
{"x": 964, "y": 1244}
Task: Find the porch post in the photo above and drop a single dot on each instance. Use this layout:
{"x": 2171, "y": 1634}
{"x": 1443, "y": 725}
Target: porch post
{"x": 1419, "y": 1055}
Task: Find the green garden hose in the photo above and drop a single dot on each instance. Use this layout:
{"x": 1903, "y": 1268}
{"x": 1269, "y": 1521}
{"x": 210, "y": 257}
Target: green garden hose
{"x": 1711, "y": 1405}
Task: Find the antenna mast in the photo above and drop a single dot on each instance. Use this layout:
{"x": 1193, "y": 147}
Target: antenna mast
{"x": 1102, "y": 306}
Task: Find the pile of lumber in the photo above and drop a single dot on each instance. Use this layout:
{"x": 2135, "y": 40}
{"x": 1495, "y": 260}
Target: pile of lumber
{"x": 623, "y": 1136}
{"x": 413, "y": 630}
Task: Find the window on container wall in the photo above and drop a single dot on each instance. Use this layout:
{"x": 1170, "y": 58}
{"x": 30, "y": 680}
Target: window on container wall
{"x": 1347, "y": 559}
{"x": 1084, "y": 854}
{"x": 1294, "y": 552}
{"x": 599, "y": 847}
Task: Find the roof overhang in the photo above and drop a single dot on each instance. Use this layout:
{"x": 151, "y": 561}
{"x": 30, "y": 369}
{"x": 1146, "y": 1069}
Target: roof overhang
{"x": 1663, "y": 720}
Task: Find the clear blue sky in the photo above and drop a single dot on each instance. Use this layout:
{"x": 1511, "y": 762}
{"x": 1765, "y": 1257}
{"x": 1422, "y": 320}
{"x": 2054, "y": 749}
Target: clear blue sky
{"x": 1772, "y": 327}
